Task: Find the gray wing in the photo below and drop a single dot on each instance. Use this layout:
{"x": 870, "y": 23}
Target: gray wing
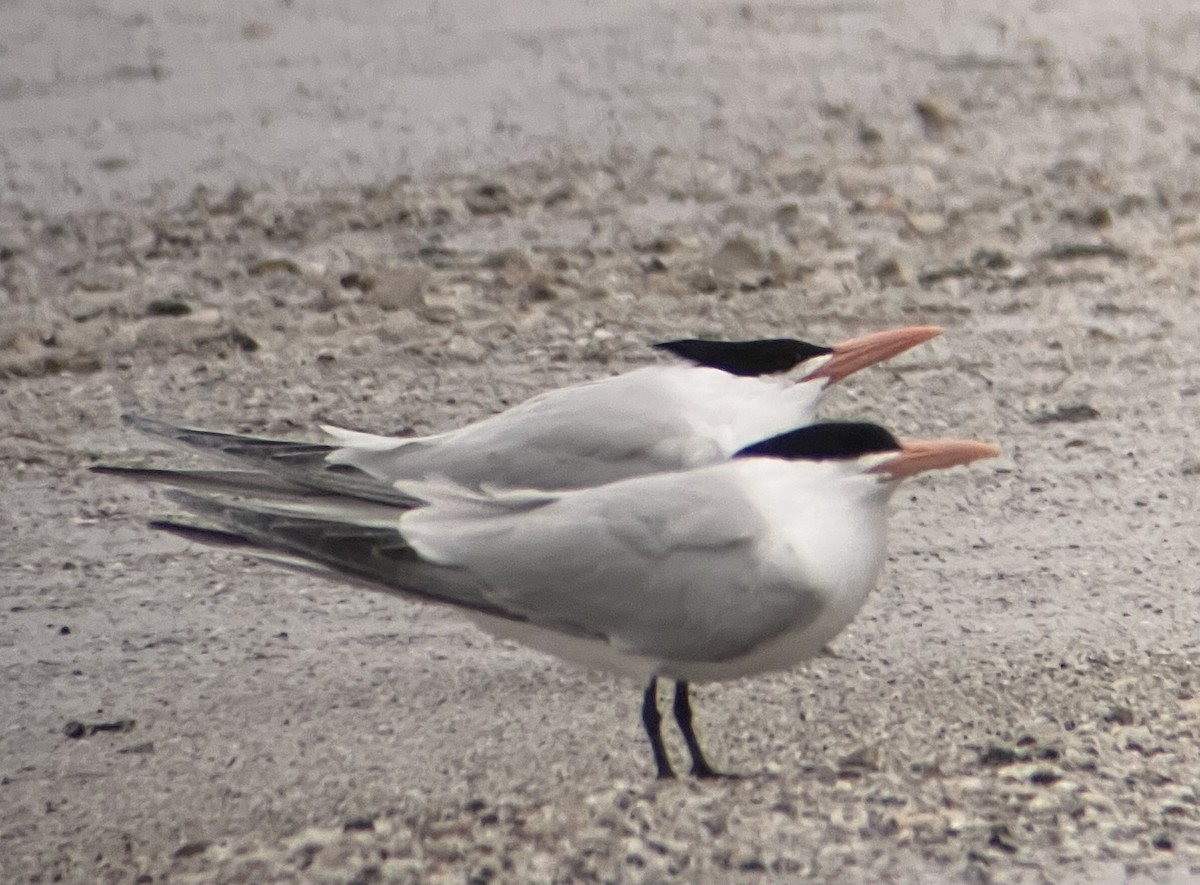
{"x": 335, "y": 529}
{"x": 576, "y": 437}
{"x": 671, "y": 567}
{"x": 236, "y": 481}
{"x": 294, "y": 465}
{"x": 334, "y": 542}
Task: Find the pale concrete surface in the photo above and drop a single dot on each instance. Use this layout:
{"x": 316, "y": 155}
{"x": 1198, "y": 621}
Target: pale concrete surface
{"x": 422, "y": 213}
{"x": 104, "y": 101}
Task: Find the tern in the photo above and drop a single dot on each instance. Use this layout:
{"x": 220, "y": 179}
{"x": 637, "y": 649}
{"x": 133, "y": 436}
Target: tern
{"x": 649, "y": 420}
{"x": 711, "y": 573}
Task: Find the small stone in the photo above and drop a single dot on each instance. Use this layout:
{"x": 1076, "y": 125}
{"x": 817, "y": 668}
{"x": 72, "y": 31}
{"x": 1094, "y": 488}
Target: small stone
{"x": 869, "y": 135}
{"x": 112, "y": 164}
{"x": 1119, "y": 714}
{"x": 991, "y": 259}
{"x": 998, "y": 755}
{"x": 511, "y": 262}
{"x": 861, "y": 760}
{"x": 490, "y": 198}
{"x": 561, "y": 194}
{"x": 927, "y": 224}
{"x": 1072, "y": 414}
{"x": 274, "y": 265}
{"x": 891, "y": 271}
{"x": 1077, "y": 251}
{"x": 947, "y": 272}
{"x": 1001, "y": 838}
{"x": 1093, "y": 216}
{"x": 787, "y": 213}
{"x": 242, "y": 341}
{"x": 168, "y": 307}
{"x": 935, "y": 117}
{"x": 356, "y": 280}
{"x": 445, "y": 305}
{"x": 661, "y": 245}
{"x": 1044, "y": 777}
{"x": 541, "y": 289}
{"x": 191, "y": 849}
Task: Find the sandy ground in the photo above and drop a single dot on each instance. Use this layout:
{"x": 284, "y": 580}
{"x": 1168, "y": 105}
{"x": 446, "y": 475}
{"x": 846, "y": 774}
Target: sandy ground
{"x": 402, "y": 216}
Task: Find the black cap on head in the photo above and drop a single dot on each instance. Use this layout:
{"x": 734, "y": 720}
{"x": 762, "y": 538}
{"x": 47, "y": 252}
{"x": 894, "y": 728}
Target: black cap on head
{"x": 835, "y": 440}
{"x": 764, "y": 356}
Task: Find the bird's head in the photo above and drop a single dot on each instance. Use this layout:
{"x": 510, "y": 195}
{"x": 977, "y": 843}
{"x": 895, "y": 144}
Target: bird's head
{"x": 872, "y": 448}
{"x": 775, "y": 356}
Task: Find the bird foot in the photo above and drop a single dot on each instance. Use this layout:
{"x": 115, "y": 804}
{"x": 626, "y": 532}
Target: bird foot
{"x": 707, "y": 772}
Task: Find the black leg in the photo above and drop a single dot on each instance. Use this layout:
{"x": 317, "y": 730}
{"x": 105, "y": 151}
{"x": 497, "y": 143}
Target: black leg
{"x": 652, "y": 720}
{"x": 683, "y": 716}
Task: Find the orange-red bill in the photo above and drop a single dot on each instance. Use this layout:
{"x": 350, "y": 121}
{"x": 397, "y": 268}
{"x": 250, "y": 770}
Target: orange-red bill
{"x": 919, "y": 455}
{"x": 866, "y": 350}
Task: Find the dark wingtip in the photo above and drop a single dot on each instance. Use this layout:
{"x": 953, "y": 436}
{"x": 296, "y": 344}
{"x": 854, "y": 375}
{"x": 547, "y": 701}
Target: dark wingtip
{"x": 193, "y": 502}
{"x": 762, "y": 356}
{"x": 128, "y": 472}
{"x": 833, "y": 440}
{"x": 150, "y": 426}
{"x": 213, "y": 537}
